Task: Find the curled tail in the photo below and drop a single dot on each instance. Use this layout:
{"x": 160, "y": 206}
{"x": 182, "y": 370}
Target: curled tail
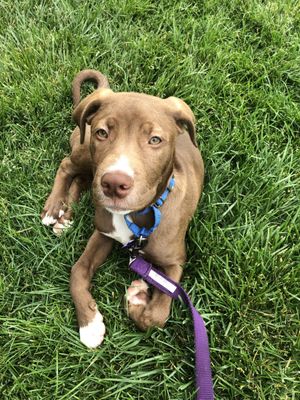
{"x": 87, "y": 75}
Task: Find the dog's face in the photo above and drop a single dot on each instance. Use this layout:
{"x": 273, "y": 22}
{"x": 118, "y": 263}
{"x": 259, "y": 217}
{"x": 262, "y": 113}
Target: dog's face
{"x": 132, "y": 145}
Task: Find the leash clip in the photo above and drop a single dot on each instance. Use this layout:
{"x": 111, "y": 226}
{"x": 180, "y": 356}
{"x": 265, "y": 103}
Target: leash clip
{"x": 141, "y": 242}
{"x": 136, "y": 245}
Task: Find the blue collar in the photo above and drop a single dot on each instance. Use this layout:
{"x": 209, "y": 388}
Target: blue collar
{"x": 155, "y": 208}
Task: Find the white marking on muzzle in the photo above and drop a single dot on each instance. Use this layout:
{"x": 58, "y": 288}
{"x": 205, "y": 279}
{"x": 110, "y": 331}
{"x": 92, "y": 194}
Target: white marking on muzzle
{"x": 121, "y": 164}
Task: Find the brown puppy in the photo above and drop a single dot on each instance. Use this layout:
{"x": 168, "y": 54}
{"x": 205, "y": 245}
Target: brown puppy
{"x": 128, "y": 145}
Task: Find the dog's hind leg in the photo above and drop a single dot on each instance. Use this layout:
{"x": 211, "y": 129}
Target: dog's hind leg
{"x": 78, "y": 185}
{"x": 77, "y": 166}
{"x": 58, "y": 199}
{"x": 148, "y": 311}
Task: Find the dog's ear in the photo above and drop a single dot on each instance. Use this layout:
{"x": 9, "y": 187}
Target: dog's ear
{"x": 183, "y": 116}
{"x": 87, "y": 108}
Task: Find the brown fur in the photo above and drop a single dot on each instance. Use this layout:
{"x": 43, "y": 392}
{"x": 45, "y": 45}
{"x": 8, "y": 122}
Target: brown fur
{"x": 131, "y": 119}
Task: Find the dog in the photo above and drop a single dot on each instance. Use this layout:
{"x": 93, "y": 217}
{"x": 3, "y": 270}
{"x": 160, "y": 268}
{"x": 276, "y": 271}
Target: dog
{"x": 127, "y": 146}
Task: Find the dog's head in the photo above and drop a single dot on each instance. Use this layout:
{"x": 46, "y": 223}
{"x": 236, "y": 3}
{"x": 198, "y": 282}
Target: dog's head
{"x": 132, "y": 144}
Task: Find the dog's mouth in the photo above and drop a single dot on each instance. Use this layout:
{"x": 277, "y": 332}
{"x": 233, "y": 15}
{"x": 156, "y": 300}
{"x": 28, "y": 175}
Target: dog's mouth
{"x": 118, "y": 210}
{"x": 116, "y": 205}
{"x": 122, "y": 206}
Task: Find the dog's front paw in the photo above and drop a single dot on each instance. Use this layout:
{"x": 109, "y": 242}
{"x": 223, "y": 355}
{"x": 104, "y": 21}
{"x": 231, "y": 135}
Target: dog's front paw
{"x": 54, "y": 209}
{"x": 92, "y": 334}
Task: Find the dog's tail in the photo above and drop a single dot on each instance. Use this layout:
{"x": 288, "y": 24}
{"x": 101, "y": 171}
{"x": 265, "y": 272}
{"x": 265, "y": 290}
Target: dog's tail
{"x": 87, "y": 75}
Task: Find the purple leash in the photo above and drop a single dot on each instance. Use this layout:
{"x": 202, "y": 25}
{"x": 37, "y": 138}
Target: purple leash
{"x": 162, "y": 282}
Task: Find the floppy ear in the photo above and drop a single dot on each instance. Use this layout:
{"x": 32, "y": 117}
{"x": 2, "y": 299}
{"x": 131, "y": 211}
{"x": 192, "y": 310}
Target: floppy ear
{"x": 87, "y": 108}
{"x": 183, "y": 116}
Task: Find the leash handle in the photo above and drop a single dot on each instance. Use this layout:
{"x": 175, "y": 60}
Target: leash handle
{"x": 156, "y": 278}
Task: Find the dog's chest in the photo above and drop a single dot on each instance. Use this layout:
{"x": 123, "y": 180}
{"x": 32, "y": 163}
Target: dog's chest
{"x": 121, "y": 233}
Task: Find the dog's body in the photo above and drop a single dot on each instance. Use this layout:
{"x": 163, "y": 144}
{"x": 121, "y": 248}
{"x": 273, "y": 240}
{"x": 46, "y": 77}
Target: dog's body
{"x": 132, "y": 144}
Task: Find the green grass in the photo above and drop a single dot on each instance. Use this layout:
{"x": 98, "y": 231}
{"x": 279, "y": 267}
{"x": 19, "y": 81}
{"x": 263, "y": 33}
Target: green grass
{"x": 236, "y": 63}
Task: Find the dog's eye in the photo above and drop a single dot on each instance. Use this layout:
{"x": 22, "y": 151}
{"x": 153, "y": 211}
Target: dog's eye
{"x": 102, "y": 134}
{"x": 155, "y": 140}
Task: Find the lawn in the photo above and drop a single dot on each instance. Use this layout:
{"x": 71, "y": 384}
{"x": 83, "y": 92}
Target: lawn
{"x": 237, "y": 64}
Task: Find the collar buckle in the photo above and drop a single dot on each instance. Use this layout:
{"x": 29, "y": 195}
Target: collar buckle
{"x": 158, "y": 205}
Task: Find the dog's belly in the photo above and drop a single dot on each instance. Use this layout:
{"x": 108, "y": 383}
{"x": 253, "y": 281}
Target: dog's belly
{"x": 121, "y": 233}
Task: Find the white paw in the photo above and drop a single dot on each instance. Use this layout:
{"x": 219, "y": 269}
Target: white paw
{"x": 48, "y": 220}
{"x": 92, "y": 334}
{"x": 137, "y": 293}
{"x": 58, "y": 228}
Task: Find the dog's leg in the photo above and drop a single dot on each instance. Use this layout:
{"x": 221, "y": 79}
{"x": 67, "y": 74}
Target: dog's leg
{"x": 57, "y": 201}
{"x": 148, "y": 312}
{"x": 91, "y": 326}
{"x": 79, "y": 184}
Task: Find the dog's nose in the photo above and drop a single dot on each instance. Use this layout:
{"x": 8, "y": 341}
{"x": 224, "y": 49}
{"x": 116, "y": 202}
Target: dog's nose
{"x": 116, "y": 184}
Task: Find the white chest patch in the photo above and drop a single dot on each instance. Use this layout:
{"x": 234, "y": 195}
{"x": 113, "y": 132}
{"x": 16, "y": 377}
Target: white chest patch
{"x": 121, "y": 232}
